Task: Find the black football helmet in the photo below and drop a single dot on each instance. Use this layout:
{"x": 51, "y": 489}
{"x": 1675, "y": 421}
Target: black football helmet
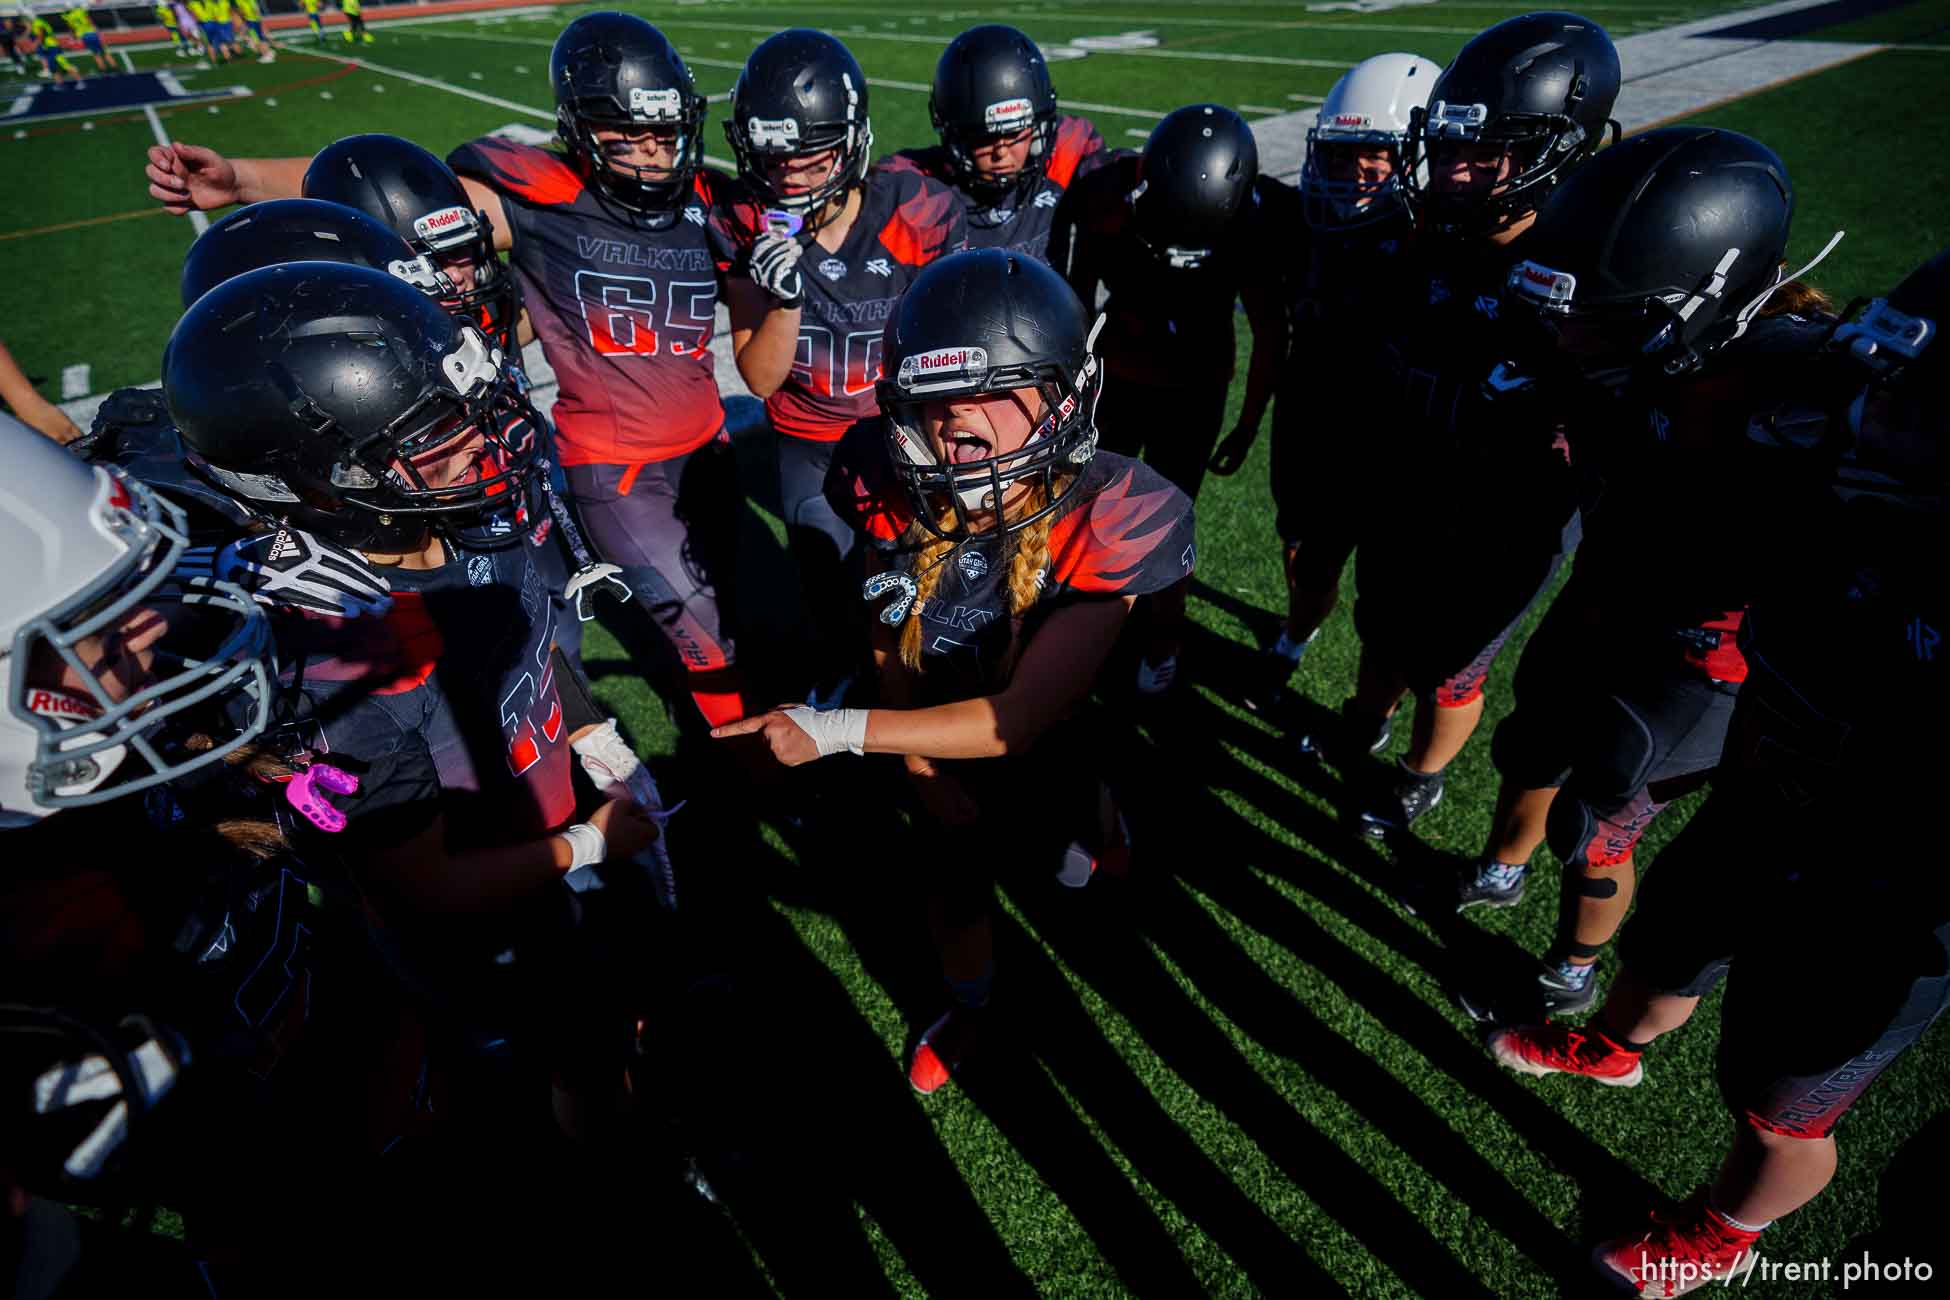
{"x": 418, "y": 197}
{"x": 314, "y": 392}
{"x": 1541, "y": 86}
{"x": 992, "y": 81}
{"x": 1660, "y": 250}
{"x": 297, "y": 230}
{"x": 614, "y": 70}
{"x": 801, "y": 92}
{"x": 988, "y": 321}
{"x": 1195, "y": 177}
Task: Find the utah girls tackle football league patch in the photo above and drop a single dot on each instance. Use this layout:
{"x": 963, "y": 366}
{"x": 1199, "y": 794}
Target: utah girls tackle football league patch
{"x": 974, "y": 565}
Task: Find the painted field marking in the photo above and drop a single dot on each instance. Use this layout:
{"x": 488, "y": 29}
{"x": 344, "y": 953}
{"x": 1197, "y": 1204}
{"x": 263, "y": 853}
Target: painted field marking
{"x": 913, "y": 87}
{"x": 74, "y": 381}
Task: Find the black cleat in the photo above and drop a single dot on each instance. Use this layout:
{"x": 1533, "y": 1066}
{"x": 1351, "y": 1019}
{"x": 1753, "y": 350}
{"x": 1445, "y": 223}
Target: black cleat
{"x": 1396, "y": 808}
{"x": 1345, "y": 739}
{"x": 1565, "y": 995}
{"x": 1486, "y": 888}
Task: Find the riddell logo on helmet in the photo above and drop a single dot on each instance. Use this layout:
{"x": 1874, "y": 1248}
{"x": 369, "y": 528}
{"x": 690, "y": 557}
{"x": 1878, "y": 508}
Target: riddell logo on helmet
{"x": 963, "y": 362}
{"x": 1554, "y": 287}
{"x": 1352, "y": 119}
{"x": 443, "y": 225}
{"x": 60, "y": 704}
{"x": 1007, "y": 113}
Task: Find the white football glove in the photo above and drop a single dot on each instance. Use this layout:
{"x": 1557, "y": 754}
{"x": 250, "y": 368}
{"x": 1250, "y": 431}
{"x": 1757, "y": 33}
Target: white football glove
{"x": 610, "y": 763}
{"x": 775, "y": 268}
{"x": 289, "y": 568}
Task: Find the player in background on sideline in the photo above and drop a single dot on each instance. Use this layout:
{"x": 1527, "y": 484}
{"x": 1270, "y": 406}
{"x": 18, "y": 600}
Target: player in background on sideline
{"x": 166, "y": 15}
{"x": 356, "y": 24}
{"x": 216, "y": 45}
{"x": 10, "y": 41}
{"x": 312, "y": 17}
{"x": 252, "y": 18}
{"x": 83, "y": 27}
{"x": 58, "y": 65}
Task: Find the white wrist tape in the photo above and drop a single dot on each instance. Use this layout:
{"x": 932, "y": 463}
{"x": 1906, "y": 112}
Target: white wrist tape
{"x": 587, "y": 846}
{"x": 834, "y": 731}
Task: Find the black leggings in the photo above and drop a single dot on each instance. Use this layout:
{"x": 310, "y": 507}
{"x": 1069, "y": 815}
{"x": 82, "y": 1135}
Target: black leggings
{"x": 826, "y": 550}
{"x": 1173, "y": 427}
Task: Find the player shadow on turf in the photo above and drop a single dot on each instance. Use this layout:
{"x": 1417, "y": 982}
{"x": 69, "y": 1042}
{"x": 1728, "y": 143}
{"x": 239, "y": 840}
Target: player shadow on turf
{"x": 1220, "y": 853}
{"x": 794, "y": 1104}
{"x": 1047, "y": 1037}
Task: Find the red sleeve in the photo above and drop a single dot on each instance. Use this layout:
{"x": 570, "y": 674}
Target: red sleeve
{"x": 1079, "y": 150}
{"x": 1134, "y": 536}
{"x": 532, "y": 175}
{"x": 927, "y": 221}
{"x": 734, "y": 219}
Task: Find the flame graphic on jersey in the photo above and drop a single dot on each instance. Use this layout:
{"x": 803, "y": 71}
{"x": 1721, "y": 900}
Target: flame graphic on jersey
{"x": 533, "y": 175}
{"x": 1076, "y": 140}
{"x": 918, "y": 232}
{"x": 1103, "y": 546}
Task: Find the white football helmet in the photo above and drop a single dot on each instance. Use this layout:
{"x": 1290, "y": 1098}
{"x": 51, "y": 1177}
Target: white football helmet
{"x": 85, "y": 546}
{"x": 1369, "y": 106}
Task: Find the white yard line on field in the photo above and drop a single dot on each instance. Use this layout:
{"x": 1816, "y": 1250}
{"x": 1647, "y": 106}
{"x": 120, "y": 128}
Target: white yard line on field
{"x": 912, "y": 87}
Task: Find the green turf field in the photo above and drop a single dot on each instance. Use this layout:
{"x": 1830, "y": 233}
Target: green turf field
{"x": 1241, "y": 1074}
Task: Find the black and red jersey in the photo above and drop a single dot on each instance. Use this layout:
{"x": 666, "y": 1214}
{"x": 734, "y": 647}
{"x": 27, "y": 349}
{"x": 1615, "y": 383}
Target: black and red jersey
{"x": 1676, "y": 543}
{"x": 905, "y": 221}
{"x": 1023, "y": 225}
{"x": 1334, "y": 283}
{"x": 624, "y": 313}
{"x": 1453, "y": 415}
{"x": 461, "y": 667}
{"x": 1164, "y": 321}
{"x": 1124, "y": 531}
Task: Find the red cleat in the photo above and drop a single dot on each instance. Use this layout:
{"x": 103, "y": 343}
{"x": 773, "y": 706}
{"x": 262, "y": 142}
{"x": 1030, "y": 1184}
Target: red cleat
{"x": 1560, "y": 1049}
{"x": 944, "y": 1048}
{"x": 1684, "y": 1249}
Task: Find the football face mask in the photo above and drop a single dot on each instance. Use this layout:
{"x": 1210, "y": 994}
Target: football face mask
{"x": 455, "y": 451}
{"x": 130, "y": 663}
{"x": 964, "y": 488}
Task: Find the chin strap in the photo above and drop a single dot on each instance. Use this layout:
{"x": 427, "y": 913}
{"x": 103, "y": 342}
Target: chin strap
{"x": 1746, "y": 314}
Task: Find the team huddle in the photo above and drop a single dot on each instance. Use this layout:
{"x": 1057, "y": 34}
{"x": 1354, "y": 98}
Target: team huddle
{"x": 308, "y": 620}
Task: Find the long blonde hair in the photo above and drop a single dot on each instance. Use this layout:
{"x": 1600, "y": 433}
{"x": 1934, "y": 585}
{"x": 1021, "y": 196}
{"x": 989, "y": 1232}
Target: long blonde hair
{"x": 1028, "y": 556}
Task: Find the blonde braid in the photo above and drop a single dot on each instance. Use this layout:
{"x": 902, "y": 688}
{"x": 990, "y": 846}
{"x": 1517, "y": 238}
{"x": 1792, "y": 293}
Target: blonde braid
{"x": 929, "y": 566}
{"x": 1027, "y": 561}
